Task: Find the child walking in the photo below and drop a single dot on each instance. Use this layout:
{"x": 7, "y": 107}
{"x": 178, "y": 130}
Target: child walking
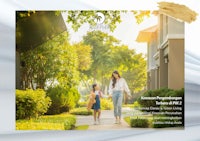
{"x": 97, "y": 105}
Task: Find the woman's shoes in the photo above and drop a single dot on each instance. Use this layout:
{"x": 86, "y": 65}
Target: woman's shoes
{"x": 116, "y": 121}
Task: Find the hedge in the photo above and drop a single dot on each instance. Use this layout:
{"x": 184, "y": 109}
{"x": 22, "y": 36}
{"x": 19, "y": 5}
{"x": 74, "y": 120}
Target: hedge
{"x": 139, "y": 122}
{"x": 31, "y": 103}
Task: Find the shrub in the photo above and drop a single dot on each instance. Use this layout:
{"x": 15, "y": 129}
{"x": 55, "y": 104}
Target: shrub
{"x": 63, "y": 99}
{"x": 106, "y": 104}
{"x": 80, "y": 111}
{"x": 31, "y": 103}
{"x": 139, "y": 122}
{"x": 70, "y": 123}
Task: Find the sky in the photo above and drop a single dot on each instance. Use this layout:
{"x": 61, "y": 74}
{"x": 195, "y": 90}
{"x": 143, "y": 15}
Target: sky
{"x": 126, "y": 31}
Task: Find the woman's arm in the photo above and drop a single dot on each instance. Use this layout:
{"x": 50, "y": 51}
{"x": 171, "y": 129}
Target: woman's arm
{"x": 126, "y": 89}
{"x": 110, "y": 88}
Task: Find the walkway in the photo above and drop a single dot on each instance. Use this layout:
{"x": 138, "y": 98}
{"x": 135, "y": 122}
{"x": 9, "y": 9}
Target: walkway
{"x": 107, "y": 121}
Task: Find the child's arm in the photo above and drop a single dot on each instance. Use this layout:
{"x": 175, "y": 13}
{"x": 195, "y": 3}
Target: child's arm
{"x": 102, "y": 95}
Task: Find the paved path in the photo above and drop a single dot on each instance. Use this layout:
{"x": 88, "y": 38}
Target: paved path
{"x": 107, "y": 122}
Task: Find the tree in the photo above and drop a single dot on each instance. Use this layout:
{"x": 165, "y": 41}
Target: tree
{"x": 41, "y": 63}
{"x": 132, "y": 67}
{"x": 68, "y": 75}
{"x": 140, "y": 15}
{"x": 101, "y": 54}
{"x": 108, "y": 54}
{"x": 112, "y": 18}
{"x": 136, "y": 74}
{"x": 53, "y": 61}
{"x": 77, "y": 18}
{"x": 84, "y": 56}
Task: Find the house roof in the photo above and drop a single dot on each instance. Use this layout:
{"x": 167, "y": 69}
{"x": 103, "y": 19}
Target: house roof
{"x": 148, "y": 34}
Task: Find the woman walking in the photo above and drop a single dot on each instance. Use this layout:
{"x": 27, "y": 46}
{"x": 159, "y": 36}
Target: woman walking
{"x": 116, "y": 88}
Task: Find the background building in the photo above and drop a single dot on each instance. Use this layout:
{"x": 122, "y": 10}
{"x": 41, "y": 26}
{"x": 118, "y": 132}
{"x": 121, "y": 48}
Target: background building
{"x": 165, "y": 53}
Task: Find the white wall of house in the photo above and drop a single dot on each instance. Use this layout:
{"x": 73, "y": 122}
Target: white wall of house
{"x": 152, "y": 49}
{"x": 171, "y": 43}
{"x": 175, "y": 27}
{"x": 170, "y": 28}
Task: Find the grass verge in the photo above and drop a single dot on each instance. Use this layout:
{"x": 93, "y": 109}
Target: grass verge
{"x": 82, "y": 127}
{"x": 48, "y": 122}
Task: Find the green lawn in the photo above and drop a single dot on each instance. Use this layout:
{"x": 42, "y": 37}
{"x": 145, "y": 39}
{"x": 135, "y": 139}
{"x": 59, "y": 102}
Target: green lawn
{"x": 127, "y": 119}
{"x": 82, "y": 127}
{"x": 49, "y": 122}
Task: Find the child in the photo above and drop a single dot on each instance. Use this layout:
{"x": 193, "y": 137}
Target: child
{"x": 96, "y": 105}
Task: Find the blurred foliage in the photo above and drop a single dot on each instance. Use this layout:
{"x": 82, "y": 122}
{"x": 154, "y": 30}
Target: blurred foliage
{"x": 84, "y": 56}
{"x": 82, "y": 104}
{"x": 106, "y": 104}
{"x": 141, "y": 15}
{"x": 81, "y": 111}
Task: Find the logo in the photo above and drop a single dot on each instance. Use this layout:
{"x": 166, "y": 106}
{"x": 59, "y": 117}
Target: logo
{"x": 99, "y": 18}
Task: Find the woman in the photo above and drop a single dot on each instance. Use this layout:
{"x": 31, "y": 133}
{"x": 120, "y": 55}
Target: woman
{"x": 116, "y": 88}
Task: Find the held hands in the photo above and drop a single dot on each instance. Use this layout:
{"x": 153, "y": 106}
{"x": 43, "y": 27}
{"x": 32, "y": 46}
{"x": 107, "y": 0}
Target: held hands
{"x": 109, "y": 96}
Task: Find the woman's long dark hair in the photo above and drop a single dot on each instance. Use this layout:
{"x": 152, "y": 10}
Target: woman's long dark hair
{"x": 114, "y": 80}
{"x": 93, "y": 87}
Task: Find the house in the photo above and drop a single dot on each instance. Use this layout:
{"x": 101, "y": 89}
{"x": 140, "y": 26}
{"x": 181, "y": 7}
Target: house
{"x": 165, "y": 53}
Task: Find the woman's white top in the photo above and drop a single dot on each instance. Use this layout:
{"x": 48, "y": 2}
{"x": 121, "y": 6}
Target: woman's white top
{"x": 120, "y": 85}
